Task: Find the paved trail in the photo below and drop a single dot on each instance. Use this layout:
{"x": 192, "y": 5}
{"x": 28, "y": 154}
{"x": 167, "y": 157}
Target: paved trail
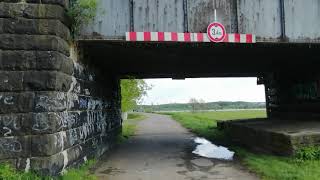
{"x": 161, "y": 150}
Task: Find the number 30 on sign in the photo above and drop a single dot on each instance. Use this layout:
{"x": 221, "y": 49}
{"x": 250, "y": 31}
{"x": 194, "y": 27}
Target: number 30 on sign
{"x": 216, "y": 32}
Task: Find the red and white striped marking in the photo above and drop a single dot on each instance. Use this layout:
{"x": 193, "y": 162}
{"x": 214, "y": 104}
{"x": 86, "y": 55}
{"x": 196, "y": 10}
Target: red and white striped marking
{"x": 186, "y": 37}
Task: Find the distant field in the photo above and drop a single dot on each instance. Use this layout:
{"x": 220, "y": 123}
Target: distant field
{"x": 223, "y": 115}
{"x": 267, "y": 166}
{"x": 203, "y": 123}
{"x": 221, "y": 105}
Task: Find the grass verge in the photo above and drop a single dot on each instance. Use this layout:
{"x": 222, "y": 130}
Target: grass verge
{"x": 204, "y": 124}
{"x": 81, "y": 173}
{"x": 129, "y": 126}
{"x": 269, "y": 167}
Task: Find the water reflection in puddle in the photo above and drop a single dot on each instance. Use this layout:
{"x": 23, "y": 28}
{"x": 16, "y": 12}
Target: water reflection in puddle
{"x": 206, "y": 149}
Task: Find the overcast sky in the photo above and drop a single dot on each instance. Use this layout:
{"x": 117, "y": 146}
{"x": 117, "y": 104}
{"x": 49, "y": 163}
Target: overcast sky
{"x": 209, "y": 89}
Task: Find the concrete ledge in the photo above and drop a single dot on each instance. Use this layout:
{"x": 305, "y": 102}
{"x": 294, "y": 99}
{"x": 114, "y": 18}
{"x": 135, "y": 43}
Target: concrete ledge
{"x": 276, "y": 136}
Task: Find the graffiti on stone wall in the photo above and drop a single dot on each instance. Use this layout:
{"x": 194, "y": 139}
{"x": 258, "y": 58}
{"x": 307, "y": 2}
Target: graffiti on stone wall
{"x": 78, "y": 69}
{"x": 74, "y": 117}
{"x": 87, "y": 92}
{"x": 40, "y": 122}
{"x": 72, "y": 96}
{"x": 62, "y": 120}
{"x": 78, "y": 128}
{"x": 51, "y": 102}
{"x": 306, "y": 91}
{"x": 69, "y": 120}
{"x": 72, "y": 100}
{"x": 83, "y": 103}
{"x": 8, "y": 100}
{"x": 73, "y": 136}
{"x": 75, "y": 86}
{"x": 7, "y": 132}
{"x": 95, "y": 104}
{"x": 94, "y": 143}
{"x": 10, "y": 145}
{"x": 91, "y": 77}
{"x": 27, "y": 168}
{"x": 96, "y": 123}
{"x": 9, "y": 123}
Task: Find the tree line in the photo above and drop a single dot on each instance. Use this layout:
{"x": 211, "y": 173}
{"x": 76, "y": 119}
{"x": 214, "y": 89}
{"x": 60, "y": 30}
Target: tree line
{"x": 195, "y": 105}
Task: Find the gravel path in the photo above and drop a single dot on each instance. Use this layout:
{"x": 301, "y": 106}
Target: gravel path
{"x": 161, "y": 150}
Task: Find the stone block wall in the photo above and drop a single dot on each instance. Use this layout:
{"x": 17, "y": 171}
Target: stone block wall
{"x": 55, "y": 111}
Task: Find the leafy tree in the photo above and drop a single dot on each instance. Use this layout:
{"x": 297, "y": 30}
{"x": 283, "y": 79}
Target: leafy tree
{"x": 194, "y": 103}
{"x": 197, "y": 105}
{"x": 132, "y": 91}
{"x": 81, "y": 13}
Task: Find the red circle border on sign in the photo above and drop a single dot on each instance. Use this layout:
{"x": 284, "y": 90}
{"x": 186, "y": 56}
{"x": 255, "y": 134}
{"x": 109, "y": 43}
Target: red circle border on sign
{"x": 223, "y": 29}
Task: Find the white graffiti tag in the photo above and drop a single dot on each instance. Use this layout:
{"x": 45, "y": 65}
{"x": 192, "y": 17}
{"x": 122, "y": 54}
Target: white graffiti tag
{"x": 9, "y": 100}
{"x": 10, "y": 146}
{"x": 8, "y": 133}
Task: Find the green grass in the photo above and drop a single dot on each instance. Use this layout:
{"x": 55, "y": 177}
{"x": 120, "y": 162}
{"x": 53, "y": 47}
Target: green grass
{"x": 269, "y": 167}
{"x": 129, "y": 126}
{"x": 135, "y": 116}
{"x": 280, "y": 168}
{"x": 204, "y": 123}
{"x": 81, "y": 173}
{"x": 9, "y": 173}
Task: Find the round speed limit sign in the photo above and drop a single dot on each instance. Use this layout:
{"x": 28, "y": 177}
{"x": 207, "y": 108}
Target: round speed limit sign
{"x": 216, "y": 32}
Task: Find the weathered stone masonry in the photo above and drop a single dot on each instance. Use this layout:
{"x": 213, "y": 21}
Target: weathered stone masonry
{"x": 54, "y": 111}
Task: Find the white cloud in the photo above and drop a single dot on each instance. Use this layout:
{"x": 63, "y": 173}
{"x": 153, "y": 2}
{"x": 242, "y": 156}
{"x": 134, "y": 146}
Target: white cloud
{"x": 209, "y": 89}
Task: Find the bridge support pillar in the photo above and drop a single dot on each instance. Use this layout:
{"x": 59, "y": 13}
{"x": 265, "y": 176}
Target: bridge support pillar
{"x": 293, "y": 116}
{"x": 292, "y": 95}
{"x": 55, "y": 112}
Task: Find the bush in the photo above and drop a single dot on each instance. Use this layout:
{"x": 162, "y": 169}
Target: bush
{"x": 308, "y": 153}
{"x": 81, "y": 13}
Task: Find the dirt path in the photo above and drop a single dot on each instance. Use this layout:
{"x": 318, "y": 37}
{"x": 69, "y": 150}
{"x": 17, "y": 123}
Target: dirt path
{"x": 161, "y": 150}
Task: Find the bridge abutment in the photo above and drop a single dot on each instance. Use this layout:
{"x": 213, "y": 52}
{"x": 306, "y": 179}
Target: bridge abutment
{"x": 293, "y": 95}
{"x": 292, "y": 103}
{"x": 55, "y": 111}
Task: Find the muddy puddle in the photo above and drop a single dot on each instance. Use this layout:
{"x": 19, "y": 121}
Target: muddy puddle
{"x": 205, "y": 148}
